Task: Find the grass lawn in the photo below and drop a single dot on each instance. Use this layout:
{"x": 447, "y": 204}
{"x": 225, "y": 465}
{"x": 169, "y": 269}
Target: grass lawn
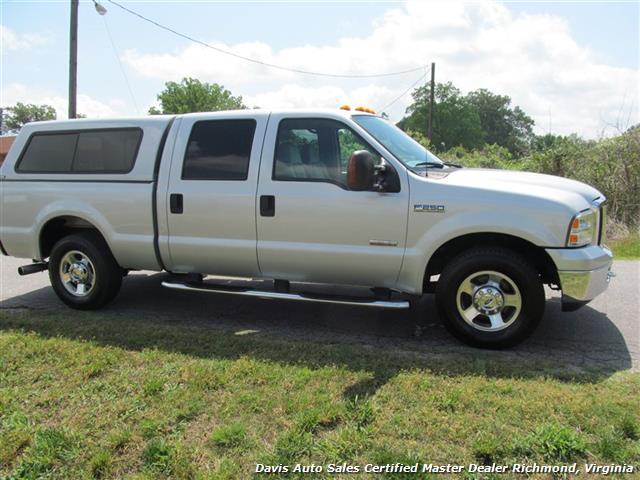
{"x": 626, "y": 248}
{"x": 99, "y": 395}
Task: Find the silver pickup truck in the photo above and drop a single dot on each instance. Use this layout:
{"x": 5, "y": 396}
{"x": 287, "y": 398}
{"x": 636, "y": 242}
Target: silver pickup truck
{"x": 329, "y": 197}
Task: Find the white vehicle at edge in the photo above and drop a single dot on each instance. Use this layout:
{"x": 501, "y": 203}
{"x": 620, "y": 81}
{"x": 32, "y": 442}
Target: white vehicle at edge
{"x": 315, "y": 196}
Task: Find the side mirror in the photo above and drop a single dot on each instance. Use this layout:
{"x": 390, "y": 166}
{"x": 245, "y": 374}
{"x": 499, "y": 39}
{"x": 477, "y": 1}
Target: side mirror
{"x": 365, "y": 174}
{"x": 361, "y": 174}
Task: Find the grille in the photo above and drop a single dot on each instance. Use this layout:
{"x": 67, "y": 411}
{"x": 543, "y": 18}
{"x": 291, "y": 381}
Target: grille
{"x": 602, "y": 227}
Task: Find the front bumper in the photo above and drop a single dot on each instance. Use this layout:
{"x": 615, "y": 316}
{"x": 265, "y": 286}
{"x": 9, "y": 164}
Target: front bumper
{"x": 584, "y": 273}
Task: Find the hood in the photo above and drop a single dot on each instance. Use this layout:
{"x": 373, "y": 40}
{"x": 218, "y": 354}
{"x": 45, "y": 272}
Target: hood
{"x": 571, "y": 192}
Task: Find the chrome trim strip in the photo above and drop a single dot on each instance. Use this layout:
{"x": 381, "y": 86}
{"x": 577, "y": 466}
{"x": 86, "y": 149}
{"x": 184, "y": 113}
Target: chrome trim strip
{"x": 398, "y": 304}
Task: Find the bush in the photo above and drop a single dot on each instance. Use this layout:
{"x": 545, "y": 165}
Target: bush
{"x": 611, "y": 165}
{"x": 489, "y": 156}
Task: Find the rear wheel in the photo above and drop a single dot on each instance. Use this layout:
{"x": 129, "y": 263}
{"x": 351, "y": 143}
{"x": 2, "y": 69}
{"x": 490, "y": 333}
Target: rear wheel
{"x": 83, "y": 272}
{"x": 490, "y": 297}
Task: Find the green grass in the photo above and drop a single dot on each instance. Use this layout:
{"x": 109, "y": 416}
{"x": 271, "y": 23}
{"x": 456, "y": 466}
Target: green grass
{"x": 229, "y": 436}
{"x": 95, "y": 395}
{"x": 626, "y": 248}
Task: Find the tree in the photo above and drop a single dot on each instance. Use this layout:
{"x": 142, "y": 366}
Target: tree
{"x": 22, "y": 113}
{"x": 502, "y": 125}
{"x": 192, "y": 95}
{"x": 470, "y": 121}
{"x": 455, "y": 121}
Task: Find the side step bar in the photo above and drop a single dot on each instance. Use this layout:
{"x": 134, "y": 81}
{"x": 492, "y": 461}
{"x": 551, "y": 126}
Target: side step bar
{"x": 300, "y": 297}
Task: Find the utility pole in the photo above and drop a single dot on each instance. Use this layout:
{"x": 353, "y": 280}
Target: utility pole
{"x": 73, "y": 58}
{"x": 433, "y": 87}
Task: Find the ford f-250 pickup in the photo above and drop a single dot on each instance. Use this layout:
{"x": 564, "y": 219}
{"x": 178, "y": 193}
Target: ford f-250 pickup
{"x": 331, "y": 197}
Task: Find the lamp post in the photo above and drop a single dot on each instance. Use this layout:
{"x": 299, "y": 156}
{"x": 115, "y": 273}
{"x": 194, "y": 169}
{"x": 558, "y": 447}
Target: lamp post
{"x": 73, "y": 53}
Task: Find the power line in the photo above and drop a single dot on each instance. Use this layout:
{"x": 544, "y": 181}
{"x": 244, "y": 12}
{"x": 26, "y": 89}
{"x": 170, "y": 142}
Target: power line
{"x": 260, "y": 62}
{"x": 124, "y": 74}
{"x": 405, "y": 92}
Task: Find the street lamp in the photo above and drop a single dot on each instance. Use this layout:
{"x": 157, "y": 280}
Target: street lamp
{"x": 99, "y": 8}
{"x": 73, "y": 53}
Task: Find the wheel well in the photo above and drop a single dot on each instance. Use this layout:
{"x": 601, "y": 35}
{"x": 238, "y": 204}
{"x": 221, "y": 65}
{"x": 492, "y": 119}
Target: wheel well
{"x": 60, "y": 227}
{"x": 537, "y": 256}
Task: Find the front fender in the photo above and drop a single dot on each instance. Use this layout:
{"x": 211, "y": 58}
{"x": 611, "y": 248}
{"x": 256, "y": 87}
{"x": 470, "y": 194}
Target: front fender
{"x": 421, "y": 247}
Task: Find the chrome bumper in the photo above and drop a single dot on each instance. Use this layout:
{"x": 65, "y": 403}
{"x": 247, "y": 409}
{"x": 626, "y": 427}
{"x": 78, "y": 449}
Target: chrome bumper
{"x": 584, "y": 273}
{"x": 585, "y": 286}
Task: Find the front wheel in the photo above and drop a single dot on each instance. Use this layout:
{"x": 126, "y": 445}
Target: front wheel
{"x": 83, "y": 272}
{"x": 490, "y": 297}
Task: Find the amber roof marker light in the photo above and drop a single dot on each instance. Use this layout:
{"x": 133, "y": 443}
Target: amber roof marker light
{"x": 358, "y": 109}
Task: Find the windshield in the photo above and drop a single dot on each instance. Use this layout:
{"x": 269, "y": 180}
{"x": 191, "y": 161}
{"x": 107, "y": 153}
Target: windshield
{"x": 401, "y": 145}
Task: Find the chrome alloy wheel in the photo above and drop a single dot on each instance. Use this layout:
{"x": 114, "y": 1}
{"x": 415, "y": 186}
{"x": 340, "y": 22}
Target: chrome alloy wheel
{"x": 489, "y": 301}
{"x": 77, "y": 273}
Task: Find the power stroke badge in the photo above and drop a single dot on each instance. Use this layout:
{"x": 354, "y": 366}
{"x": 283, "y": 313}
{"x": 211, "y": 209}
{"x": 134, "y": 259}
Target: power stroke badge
{"x": 428, "y": 208}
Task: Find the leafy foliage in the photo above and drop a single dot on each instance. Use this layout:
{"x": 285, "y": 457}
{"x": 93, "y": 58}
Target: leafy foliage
{"x": 470, "y": 121}
{"x": 192, "y": 95}
{"x": 611, "y": 165}
{"x": 502, "y": 125}
{"x": 455, "y": 120}
{"x": 20, "y": 114}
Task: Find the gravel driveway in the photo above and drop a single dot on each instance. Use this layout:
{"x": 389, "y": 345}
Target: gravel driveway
{"x": 603, "y": 336}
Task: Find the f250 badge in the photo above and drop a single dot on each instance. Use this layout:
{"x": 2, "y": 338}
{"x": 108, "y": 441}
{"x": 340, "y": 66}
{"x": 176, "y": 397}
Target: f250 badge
{"x": 429, "y": 208}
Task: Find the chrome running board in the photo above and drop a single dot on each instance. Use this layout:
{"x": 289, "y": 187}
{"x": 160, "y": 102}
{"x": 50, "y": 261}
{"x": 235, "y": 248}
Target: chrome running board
{"x": 299, "y": 297}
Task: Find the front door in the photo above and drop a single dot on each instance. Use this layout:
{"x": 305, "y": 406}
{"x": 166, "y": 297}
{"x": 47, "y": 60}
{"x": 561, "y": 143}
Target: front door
{"x": 311, "y": 227}
{"x": 211, "y": 195}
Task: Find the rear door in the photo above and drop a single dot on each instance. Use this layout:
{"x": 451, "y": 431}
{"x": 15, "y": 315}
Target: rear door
{"x": 211, "y": 194}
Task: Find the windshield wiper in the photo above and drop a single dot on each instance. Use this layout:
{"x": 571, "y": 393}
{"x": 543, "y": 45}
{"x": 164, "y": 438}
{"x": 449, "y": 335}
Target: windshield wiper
{"x": 437, "y": 164}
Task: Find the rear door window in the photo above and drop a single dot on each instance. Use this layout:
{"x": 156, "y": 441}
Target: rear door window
{"x": 219, "y": 150}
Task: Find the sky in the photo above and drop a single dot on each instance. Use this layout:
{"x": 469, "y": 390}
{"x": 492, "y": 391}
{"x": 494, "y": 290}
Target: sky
{"x": 572, "y": 66}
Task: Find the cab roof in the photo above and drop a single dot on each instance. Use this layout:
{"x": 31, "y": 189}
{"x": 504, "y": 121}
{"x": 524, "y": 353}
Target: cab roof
{"x": 164, "y": 119}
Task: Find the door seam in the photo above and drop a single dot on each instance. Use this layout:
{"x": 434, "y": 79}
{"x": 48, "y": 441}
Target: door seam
{"x": 255, "y": 197}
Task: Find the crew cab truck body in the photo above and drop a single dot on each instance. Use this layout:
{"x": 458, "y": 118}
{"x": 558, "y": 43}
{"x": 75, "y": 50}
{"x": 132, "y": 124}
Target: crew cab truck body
{"x": 320, "y": 196}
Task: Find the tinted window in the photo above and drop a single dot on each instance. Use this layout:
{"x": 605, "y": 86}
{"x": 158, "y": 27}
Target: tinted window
{"x": 49, "y": 153}
{"x": 106, "y": 151}
{"x": 219, "y": 150}
{"x": 315, "y": 150}
{"x": 91, "y": 151}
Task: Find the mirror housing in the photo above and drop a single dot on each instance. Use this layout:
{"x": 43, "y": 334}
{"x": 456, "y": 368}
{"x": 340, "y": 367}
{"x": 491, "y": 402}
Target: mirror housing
{"x": 365, "y": 174}
{"x": 361, "y": 171}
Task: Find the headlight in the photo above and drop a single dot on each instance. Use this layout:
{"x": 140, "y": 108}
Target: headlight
{"x": 582, "y": 230}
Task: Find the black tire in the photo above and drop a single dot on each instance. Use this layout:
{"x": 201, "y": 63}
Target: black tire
{"x": 106, "y": 274}
{"x": 522, "y": 281}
